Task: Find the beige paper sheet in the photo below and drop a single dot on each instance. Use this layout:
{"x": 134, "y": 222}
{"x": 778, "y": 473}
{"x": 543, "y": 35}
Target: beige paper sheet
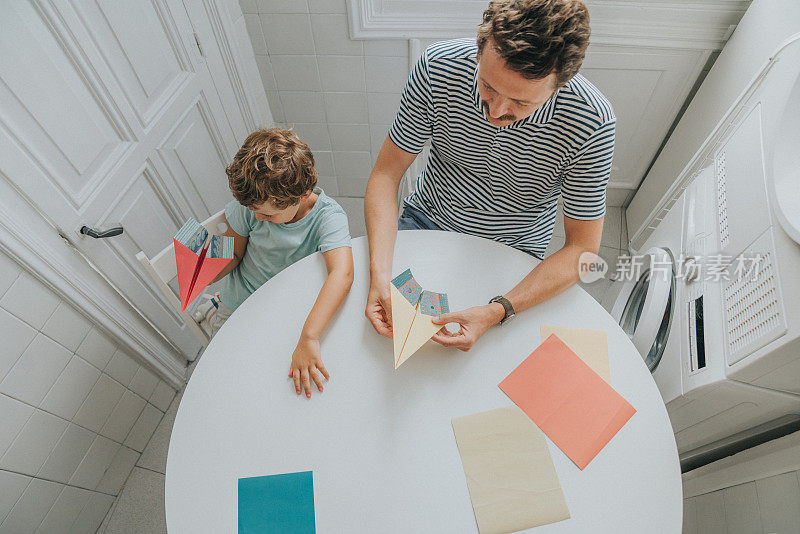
{"x": 422, "y": 329}
{"x": 402, "y": 317}
{"x": 589, "y": 344}
{"x": 411, "y": 328}
{"x": 510, "y": 475}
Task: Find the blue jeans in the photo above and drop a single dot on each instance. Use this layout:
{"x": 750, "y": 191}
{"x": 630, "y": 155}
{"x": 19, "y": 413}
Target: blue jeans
{"x": 413, "y": 219}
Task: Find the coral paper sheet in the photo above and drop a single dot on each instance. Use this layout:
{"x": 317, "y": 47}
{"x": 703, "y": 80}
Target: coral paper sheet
{"x": 576, "y": 408}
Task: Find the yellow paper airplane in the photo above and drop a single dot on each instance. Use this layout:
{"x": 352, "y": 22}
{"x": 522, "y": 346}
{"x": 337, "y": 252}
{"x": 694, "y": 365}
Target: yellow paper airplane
{"x": 413, "y": 310}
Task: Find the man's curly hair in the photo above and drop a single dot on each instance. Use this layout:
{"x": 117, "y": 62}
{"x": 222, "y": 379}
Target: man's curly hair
{"x": 273, "y": 165}
{"x": 537, "y": 37}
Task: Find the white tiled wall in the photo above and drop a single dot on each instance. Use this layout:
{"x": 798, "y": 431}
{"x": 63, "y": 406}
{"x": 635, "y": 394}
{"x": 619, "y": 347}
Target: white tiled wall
{"x": 339, "y": 95}
{"x": 75, "y": 411}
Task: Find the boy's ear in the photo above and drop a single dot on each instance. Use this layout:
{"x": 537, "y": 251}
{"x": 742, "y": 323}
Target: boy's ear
{"x": 306, "y": 195}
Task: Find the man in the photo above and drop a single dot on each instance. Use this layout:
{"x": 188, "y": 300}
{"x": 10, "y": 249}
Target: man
{"x": 512, "y": 127}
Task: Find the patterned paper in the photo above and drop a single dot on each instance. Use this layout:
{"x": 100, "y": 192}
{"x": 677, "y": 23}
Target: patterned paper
{"x": 220, "y": 247}
{"x": 413, "y": 314}
{"x": 433, "y": 304}
{"x": 193, "y": 235}
{"x": 408, "y": 287}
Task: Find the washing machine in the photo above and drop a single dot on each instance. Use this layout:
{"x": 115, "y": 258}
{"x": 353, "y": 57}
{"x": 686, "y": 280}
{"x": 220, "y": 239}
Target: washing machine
{"x": 726, "y": 353}
{"x": 644, "y": 299}
{"x": 671, "y": 308}
{"x": 743, "y": 373}
{"x": 714, "y": 406}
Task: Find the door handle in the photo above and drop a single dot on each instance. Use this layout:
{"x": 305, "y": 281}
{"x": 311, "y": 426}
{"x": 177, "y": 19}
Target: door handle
{"x": 100, "y": 234}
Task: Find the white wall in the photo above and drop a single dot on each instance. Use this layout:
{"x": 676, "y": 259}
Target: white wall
{"x": 339, "y": 95}
{"x": 75, "y": 411}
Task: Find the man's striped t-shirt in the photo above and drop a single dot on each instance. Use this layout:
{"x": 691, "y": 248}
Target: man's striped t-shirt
{"x": 502, "y": 183}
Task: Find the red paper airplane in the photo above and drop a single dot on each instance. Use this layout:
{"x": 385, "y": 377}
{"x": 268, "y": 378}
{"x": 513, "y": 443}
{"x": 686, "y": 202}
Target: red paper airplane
{"x": 199, "y": 258}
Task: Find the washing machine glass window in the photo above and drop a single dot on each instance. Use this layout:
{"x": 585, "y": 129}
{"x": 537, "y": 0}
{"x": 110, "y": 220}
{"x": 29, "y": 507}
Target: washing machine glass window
{"x": 635, "y": 305}
{"x": 634, "y": 310}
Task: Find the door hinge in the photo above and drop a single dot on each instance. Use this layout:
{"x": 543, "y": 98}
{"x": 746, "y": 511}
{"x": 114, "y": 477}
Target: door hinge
{"x": 199, "y": 46}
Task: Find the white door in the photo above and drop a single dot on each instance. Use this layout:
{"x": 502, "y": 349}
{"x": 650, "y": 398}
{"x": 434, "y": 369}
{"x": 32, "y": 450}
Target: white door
{"x": 109, "y": 114}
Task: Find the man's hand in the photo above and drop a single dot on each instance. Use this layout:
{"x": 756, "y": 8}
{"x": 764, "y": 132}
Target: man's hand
{"x": 379, "y": 308}
{"x": 474, "y": 323}
{"x": 306, "y": 366}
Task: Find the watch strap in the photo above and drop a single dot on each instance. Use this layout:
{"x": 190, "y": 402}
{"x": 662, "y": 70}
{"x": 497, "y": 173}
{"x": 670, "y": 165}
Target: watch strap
{"x": 509, "y": 309}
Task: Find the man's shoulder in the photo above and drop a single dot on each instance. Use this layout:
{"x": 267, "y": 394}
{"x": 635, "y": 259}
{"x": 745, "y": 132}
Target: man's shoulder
{"x": 442, "y": 52}
{"x": 580, "y": 96}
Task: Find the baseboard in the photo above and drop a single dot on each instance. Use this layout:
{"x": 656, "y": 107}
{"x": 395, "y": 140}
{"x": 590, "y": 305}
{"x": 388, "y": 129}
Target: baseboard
{"x": 774, "y": 457}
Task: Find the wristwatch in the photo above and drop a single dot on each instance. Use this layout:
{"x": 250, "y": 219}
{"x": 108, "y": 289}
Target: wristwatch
{"x": 506, "y": 306}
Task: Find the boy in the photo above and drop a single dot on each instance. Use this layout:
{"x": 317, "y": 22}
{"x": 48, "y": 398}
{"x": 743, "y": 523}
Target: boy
{"x": 278, "y": 218}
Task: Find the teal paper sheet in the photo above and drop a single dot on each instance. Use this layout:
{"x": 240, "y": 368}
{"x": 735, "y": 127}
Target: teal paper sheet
{"x": 277, "y": 504}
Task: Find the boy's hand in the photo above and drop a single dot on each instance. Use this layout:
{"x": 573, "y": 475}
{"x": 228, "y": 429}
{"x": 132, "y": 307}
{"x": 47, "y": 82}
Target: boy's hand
{"x": 379, "y": 308}
{"x": 306, "y": 366}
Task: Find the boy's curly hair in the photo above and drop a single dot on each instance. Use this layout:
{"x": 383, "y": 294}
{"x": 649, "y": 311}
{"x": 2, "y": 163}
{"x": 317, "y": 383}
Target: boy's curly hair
{"x": 537, "y": 37}
{"x": 273, "y": 165}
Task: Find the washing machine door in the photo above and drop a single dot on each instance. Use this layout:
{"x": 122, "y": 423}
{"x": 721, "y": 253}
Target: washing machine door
{"x": 644, "y": 306}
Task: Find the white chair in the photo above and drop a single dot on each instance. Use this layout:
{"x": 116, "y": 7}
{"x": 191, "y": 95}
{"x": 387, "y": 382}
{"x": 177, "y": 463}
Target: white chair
{"x": 162, "y": 269}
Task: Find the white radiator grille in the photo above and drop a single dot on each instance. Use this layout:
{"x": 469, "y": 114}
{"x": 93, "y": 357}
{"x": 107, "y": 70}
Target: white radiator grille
{"x": 753, "y": 310}
{"x": 722, "y": 201}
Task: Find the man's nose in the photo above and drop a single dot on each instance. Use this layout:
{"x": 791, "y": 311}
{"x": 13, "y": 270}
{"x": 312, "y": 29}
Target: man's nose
{"x": 499, "y": 108}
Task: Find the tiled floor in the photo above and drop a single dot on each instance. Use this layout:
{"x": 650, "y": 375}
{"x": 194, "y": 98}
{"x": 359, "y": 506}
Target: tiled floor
{"x": 139, "y": 509}
{"x": 613, "y": 244}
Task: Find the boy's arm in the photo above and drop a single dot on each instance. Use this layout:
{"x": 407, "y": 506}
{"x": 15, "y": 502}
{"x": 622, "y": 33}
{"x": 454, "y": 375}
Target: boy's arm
{"x": 239, "y": 246}
{"x": 306, "y": 360}
{"x": 339, "y": 263}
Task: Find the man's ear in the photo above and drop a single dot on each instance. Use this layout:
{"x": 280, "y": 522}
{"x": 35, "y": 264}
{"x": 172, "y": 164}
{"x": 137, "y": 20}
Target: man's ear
{"x": 306, "y": 195}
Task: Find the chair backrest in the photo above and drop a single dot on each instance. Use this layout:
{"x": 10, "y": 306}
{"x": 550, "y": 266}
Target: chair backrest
{"x": 162, "y": 269}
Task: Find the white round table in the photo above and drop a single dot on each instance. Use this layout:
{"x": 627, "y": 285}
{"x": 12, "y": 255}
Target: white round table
{"x": 379, "y": 440}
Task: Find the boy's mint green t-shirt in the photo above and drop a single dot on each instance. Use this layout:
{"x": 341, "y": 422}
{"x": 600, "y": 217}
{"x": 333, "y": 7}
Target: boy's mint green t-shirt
{"x": 272, "y": 247}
